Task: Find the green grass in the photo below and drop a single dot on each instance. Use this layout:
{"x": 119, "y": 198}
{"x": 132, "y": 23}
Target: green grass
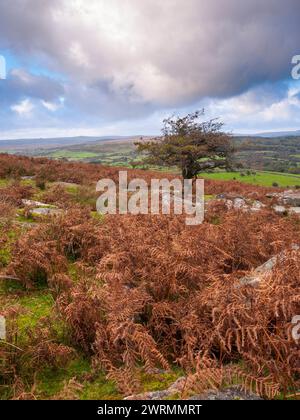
{"x": 37, "y": 305}
{"x": 5, "y": 251}
{"x": 4, "y": 182}
{"x": 51, "y": 381}
{"x": 5, "y": 255}
{"x": 28, "y": 182}
{"x": 70, "y": 154}
{"x": 159, "y": 382}
{"x": 265, "y": 179}
{"x": 100, "y": 389}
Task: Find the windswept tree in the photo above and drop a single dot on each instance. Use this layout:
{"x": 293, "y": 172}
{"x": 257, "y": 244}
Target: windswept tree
{"x": 189, "y": 144}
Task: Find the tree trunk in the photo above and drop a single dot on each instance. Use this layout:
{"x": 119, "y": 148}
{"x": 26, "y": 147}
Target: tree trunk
{"x": 187, "y": 173}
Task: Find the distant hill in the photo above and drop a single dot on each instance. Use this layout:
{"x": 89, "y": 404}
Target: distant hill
{"x": 272, "y": 134}
{"x": 46, "y": 143}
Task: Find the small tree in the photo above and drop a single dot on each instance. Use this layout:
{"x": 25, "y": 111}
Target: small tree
{"x": 191, "y": 145}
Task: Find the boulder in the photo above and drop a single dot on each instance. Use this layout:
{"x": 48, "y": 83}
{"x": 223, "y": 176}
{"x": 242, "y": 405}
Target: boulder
{"x": 291, "y": 198}
{"x": 280, "y": 209}
{"x": 33, "y": 203}
{"x": 230, "y": 393}
{"x": 175, "y": 388}
{"x": 257, "y": 205}
{"x": 288, "y": 197}
{"x": 66, "y": 184}
{"x": 240, "y": 203}
{"x": 257, "y": 275}
{"x": 294, "y": 210}
{"x": 44, "y": 211}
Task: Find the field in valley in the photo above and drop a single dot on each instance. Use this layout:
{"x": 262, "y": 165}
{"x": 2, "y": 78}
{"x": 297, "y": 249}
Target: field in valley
{"x": 259, "y": 154}
{"x": 265, "y": 179}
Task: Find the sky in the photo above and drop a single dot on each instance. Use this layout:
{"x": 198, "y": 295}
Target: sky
{"x": 119, "y": 67}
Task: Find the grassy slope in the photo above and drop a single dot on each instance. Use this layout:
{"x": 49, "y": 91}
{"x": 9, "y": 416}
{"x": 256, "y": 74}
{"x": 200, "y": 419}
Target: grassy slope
{"x": 73, "y": 154}
{"x": 260, "y": 178}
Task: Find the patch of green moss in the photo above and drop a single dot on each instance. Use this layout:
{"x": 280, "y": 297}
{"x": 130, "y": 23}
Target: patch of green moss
{"x": 4, "y": 256}
{"x": 173, "y": 397}
{"x": 51, "y": 381}
{"x": 27, "y": 182}
{"x": 38, "y": 305}
{"x": 216, "y": 220}
{"x": 72, "y": 189}
{"x": 97, "y": 216}
{"x": 4, "y": 182}
{"x": 8, "y": 287}
{"x": 5, "y": 251}
{"x": 22, "y": 219}
{"x": 100, "y": 389}
{"x": 72, "y": 271}
{"x": 208, "y": 197}
{"x": 160, "y": 381}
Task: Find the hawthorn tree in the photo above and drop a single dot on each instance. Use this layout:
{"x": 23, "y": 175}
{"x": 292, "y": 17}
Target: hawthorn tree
{"x": 189, "y": 144}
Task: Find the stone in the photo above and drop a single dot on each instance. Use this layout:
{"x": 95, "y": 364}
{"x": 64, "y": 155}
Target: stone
{"x": 176, "y": 387}
{"x": 155, "y": 395}
{"x": 294, "y": 210}
{"x": 33, "y": 203}
{"x": 2, "y": 328}
{"x": 66, "y": 184}
{"x": 291, "y": 198}
{"x": 280, "y": 209}
{"x": 44, "y": 211}
{"x": 239, "y": 203}
{"x": 230, "y": 393}
{"x": 255, "y": 278}
{"x": 257, "y": 205}
{"x": 273, "y": 195}
{"x": 288, "y": 197}
{"x": 236, "y": 203}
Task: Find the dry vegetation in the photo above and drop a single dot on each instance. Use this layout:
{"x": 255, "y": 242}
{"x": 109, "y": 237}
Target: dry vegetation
{"x": 149, "y": 291}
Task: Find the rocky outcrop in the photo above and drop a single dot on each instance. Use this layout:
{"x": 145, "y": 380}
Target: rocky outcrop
{"x": 45, "y": 211}
{"x": 176, "y": 388}
{"x": 41, "y": 209}
{"x": 288, "y": 197}
{"x": 33, "y": 203}
{"x": 291, "y": 198}
{"x": 240, "y": 203}
{"x": 255, "y": 278}
{"x": 230, "y": 393}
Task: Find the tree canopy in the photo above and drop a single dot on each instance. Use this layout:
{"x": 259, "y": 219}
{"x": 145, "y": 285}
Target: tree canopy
{"x": 189, "y": 144}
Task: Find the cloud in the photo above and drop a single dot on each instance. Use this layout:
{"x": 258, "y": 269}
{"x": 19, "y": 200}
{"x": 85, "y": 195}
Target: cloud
{"x": 24, "y": 107}
{"x": 126, "y": 59}
{"x": 51, "y": 106}
{"x": 275, "y": 106}
{"x": 165, "y": 52}
{"x": 22, "y": 84}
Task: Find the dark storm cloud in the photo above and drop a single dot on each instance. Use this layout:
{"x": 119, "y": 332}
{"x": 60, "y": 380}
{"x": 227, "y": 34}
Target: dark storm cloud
{"x": 128, "y": 58}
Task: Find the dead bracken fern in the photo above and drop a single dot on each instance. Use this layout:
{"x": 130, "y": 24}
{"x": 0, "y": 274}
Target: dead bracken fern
{"x": 154, "y": 292}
